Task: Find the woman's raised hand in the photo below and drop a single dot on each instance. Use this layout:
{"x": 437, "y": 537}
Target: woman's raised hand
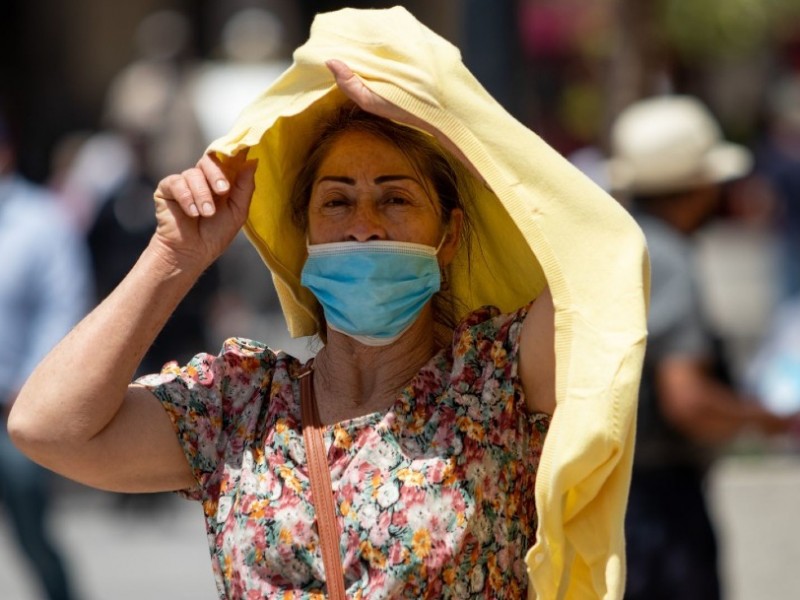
{"x": 356, "y": 90}
{"x": 200, "y": 211}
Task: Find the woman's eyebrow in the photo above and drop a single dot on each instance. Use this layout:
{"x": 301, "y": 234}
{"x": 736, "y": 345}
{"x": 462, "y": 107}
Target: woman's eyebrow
{"x": 377, "y": 180}
{"x": 388, "y": 178}
{"x": 337, "y": 179}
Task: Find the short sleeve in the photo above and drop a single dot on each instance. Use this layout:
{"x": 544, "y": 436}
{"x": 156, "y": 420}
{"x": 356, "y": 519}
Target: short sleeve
{"x": 214, "y": 403}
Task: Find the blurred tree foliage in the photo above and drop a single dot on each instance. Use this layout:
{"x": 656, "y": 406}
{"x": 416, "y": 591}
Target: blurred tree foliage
{"x": 708, "y": 29}
{"x": 588, "y": 59}
{"x": 705, "y": 47}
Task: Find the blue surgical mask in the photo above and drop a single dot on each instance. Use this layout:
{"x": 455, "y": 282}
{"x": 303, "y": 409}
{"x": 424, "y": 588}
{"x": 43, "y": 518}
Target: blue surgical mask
{"x": 372, "y": 291}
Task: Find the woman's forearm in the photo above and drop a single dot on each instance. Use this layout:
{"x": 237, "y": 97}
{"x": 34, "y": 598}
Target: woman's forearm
{"x": 80, "y": 385}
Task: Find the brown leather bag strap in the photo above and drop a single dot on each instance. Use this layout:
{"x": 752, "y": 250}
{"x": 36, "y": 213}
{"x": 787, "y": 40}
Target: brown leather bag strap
{"x": 321, "y": 489}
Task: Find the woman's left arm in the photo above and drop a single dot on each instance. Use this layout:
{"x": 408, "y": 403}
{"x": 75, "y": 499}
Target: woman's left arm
{"x": 537, "y": 357}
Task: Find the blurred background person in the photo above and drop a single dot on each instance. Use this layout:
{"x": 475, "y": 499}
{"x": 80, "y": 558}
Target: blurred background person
{"x": 45, "y": 288}
{"x": 148, "y": 111}
{"x": 670, "y": 159}
{"x": 147, "y": 99}
{"x": 251, "y": 53}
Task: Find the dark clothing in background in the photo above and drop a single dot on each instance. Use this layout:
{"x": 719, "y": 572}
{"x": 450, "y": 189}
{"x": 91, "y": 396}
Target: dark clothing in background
{"x": 671, "y": 545}
{"x": 121, "y": 231}
{"x": 672, "y": 548}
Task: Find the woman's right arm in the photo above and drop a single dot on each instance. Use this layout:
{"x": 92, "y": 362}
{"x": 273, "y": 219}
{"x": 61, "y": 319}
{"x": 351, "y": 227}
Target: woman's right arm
{"x": 77, "y": 414}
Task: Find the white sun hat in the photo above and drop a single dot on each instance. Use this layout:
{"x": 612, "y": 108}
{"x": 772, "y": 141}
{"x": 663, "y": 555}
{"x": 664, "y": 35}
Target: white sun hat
{"x": 671, "y": 143}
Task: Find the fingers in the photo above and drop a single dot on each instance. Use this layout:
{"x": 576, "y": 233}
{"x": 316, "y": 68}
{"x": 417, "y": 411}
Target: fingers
{"x": 175, "y": 188}
{"x": 344, "y": 76}
{"x": 196, "y": 190}
{"x": 354, "y": 88}
{"x": 200, "y": 190}
{"x": 214, "y": 173}
{"x": 243, "y": 187}
{"x": 245, "y": 183}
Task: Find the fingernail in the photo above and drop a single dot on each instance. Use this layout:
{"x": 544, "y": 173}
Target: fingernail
{"x": 208, "y": 209}
{"x": 222, "y": 185}
{"x": 193, "y": 210}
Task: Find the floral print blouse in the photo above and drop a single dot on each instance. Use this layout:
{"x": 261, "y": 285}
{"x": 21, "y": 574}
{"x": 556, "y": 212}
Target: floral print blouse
{"x": 434, "y": 497}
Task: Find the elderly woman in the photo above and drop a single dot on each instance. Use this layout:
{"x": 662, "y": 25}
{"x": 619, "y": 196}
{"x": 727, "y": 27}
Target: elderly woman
{"x": 465, "y": 281}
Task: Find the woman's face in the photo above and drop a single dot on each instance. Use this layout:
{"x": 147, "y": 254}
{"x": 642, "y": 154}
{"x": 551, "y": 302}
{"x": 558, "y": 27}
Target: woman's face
{"x": 366, "y": 190}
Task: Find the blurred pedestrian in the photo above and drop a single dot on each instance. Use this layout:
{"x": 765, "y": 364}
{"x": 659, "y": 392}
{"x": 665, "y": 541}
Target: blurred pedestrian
{"x": 149, "y": 112}
{"x": 252, "y": 54}
{"x": 148, "y": 100}
{"x": 670, "y": 158}
{"x": 44, "y": 290}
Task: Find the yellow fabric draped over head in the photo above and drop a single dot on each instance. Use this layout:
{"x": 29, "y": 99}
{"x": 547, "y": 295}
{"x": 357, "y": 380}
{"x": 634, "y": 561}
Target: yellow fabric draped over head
{"x": 278, "y": 129}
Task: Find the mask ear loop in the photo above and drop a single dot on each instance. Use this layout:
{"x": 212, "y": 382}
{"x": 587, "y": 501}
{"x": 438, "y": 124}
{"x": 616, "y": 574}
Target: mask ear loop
{"x": 442, "y": 271}
{"x": 441, "y": 243}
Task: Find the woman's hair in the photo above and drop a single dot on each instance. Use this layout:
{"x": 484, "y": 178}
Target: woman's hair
{"x": 434, "y": 164}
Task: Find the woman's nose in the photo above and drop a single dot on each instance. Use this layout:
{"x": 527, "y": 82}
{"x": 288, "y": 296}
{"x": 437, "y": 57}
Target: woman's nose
{"x": 365, "y": 225}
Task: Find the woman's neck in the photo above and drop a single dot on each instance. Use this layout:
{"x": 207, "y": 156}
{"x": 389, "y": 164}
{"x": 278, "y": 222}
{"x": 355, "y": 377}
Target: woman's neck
{"x": 352, "y": 379}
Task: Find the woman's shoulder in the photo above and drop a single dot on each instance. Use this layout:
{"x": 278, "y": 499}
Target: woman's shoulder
{"x": 250, "y": 348}
{"x": 250, "y": 355}
{"x": 245, "y": 358}
{"x": 487, "y": 322}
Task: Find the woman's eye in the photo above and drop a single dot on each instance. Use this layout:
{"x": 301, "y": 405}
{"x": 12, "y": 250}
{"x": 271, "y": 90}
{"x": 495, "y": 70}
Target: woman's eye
{"x": 334, "y": 202}
{"x": 395, "y": 200}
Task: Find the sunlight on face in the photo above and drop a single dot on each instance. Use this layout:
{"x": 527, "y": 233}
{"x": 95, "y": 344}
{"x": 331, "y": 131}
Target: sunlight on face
{"x": 366, "y": 189}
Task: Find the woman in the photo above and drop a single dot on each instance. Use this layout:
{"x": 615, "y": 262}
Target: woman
{"x": 433, "y": 439}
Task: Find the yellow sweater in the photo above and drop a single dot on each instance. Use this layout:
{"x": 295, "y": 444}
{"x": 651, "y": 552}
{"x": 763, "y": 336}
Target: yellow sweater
{"x": 538, "y": 221}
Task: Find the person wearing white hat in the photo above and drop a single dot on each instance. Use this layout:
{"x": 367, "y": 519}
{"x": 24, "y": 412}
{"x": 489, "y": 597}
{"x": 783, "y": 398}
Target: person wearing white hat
{"x": 670, "y": 159}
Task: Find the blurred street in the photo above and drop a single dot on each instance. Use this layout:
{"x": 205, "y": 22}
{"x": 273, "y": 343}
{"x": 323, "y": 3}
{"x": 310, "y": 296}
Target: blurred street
{"x": 119, "y": 550}
{"x": 754, "y": 502}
